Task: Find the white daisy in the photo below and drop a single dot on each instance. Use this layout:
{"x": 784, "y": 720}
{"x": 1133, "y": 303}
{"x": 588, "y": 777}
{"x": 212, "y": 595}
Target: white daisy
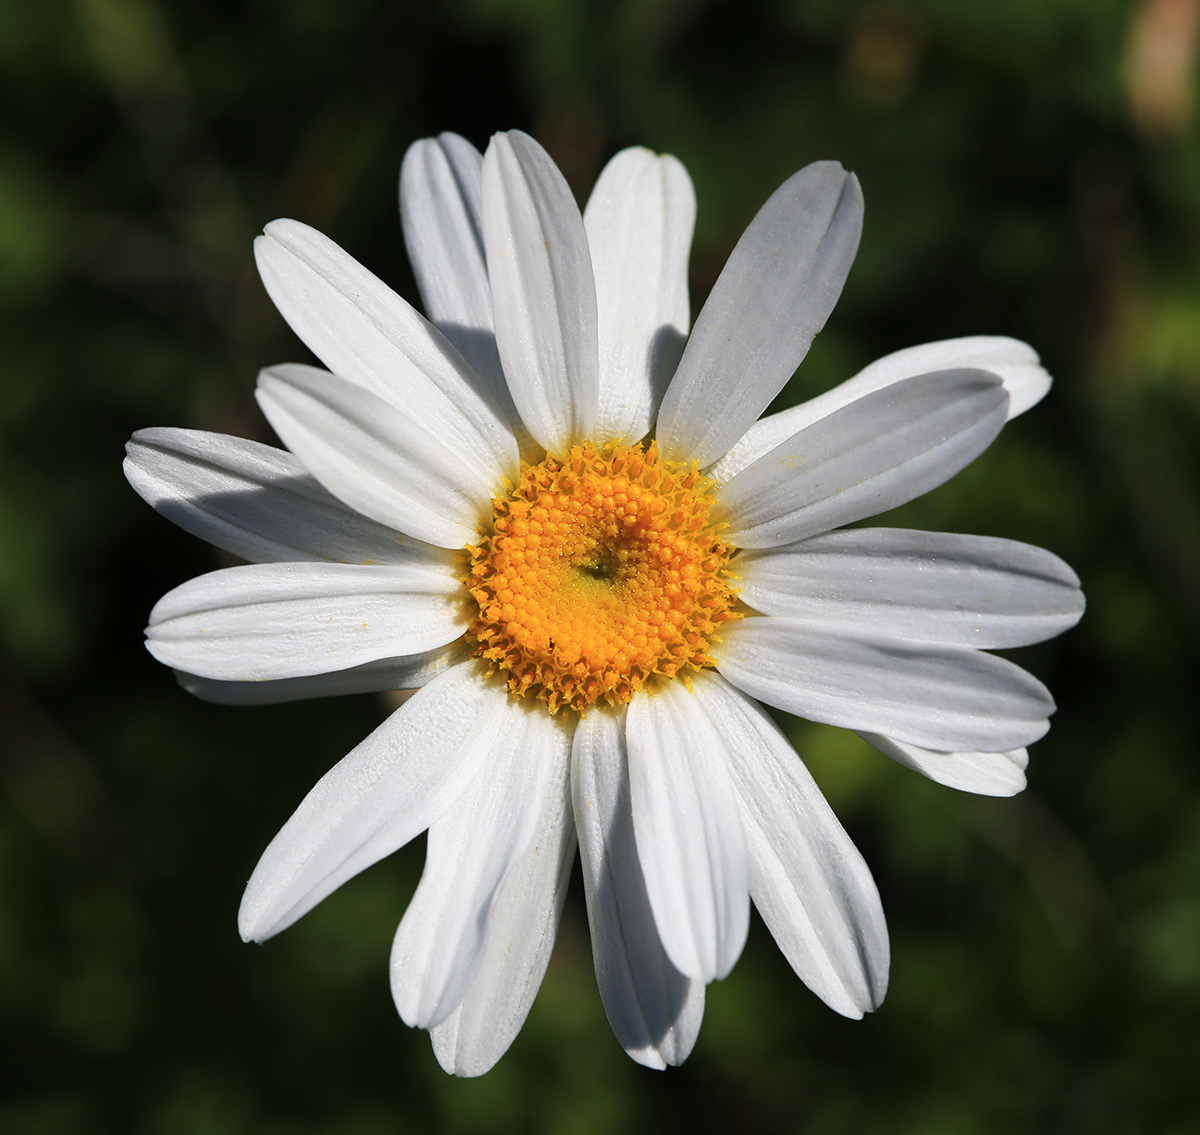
{"x": 473, "y": 505}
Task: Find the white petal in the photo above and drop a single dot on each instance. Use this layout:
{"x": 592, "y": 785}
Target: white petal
{"x": 948, "y": 698}
{"x": 926, "y": 586}
{"x": 654, "y": 1011}
{"x": 266, "y": 621}
{"x": 1016, "y": 364}
{"x": 521, "y": 930}
{"x": 375, "y": 457}
{"x": 258, "y": 502}
{"x": 639, "y": 222}
{"x": 772, "y": 297}
{"x": 988, "y": 774}
{"x": 810, "y": 884}
{"x": 472, "y": 847}
{"x": 361, "y": 330}
{"x": 441, "y": 207}
{"x": 1013, "y": 362}
{"x": 689, "y": 831}
{"x": 543, "y": 294}
{"x": 875, "y": 454}
{"x": 384, "y": 792}
{"x": 406, "y": 673}
{"x": 440, "y": 203}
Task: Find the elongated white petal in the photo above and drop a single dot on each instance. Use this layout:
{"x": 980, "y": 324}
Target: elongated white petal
{"x": 988, "y": 774}
{"x": 949, "y": 698}
{"x": 522, "y": 926}
{"x": 654, "y": 1010}
{"x": 689, "y": 832}
{"x": 472, "y": 847}
{"x": 360, "y": 329}
{"x": 543, "y": 293}
{"x": 926, "y": 586}
{"x": 376, "y": 458}
{"x": 810, "y": 884}
{"x": 406, "y": 673}
{"x": 384, "y": 792}
{"x": 877, "y": 453}
{"x": 441, "y": 205}
{"x": 639, "y": 222}
{"x": 1013, "y": 362}
{"x": 266, "y": 621}
{"x": 258, "y": 502}
{"x": 772, "y": 297}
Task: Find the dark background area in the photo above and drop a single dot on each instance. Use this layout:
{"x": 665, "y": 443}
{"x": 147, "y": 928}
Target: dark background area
{"x": 1030, "y": 167}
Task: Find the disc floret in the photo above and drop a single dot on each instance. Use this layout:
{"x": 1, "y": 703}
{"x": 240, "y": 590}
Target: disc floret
{"x": 602, "y": 571}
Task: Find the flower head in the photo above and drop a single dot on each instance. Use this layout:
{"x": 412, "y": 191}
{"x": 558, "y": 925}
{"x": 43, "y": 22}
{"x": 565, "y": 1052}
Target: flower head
{"x": 565, "y": 523}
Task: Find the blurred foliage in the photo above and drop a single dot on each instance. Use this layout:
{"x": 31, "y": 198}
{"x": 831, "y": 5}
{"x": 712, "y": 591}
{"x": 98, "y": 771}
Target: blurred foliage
{"x": 1031, "y": 167}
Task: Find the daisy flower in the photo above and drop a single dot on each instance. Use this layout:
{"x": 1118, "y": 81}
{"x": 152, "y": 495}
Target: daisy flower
{"x": 563, "y": 522}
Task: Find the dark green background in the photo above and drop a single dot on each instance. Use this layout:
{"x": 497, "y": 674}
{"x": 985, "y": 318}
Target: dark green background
{"x": 1046, "y": 973}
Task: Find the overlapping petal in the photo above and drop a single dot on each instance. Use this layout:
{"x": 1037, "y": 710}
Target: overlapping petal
{"x": 924, "y": 586}
{"x": 258, "y": 502}
{"x": 653, "y": 1009}
{"x": 639, "y": 222}
{"x": 376, "y": 458}
{"x": 268, "y": 621}
{"x": 441, "y": 210}
{"x": 807, "y": 879}
{"x": 440, "y": 205}
{"x": 385, "y": 792}
{"x": 472, "y": 848}
{"x": 948, "y": 698}
{"x": 987, "y": 774}
{"x": 688, "y": 830}
{"x": 522, "y": 926}
{"x": 773, "y": 295}
{"x": 543, "y": 293}
{"x": 879, "y": 452}
{"x": 407, "y": 673}
{"x": 361, "y": 330}
{"x": 1015, "y": 363}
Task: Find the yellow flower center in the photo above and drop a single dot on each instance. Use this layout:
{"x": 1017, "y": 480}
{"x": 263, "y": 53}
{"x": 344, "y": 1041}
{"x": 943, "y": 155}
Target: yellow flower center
{"x": 602, "y": 570}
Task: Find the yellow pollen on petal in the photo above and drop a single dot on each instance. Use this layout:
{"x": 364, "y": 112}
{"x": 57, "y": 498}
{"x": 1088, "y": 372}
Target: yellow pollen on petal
{"x": 601, "y": 572}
